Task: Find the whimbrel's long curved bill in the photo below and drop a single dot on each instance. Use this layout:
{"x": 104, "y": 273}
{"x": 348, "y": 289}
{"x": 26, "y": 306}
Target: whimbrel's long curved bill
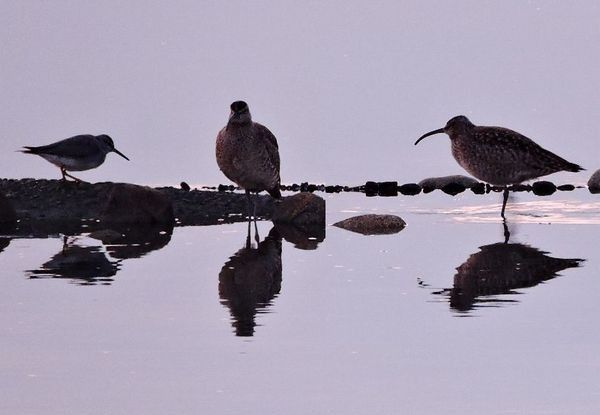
{"x": 120, "y": 154}
{"x": 439, "y": 130}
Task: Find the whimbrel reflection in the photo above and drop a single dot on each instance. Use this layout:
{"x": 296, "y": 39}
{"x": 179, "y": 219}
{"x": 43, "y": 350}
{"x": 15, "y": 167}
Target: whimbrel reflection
{"x": 250, "y": 280}
{"x": 84, "y": 265}
{"x": 502, "y": 268}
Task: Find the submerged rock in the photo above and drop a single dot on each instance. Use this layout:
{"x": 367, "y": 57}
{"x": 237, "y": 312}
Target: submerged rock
{"x": 594, "y": 182}
{"x": 433, "y": 183}
{"x": 306, "y": 238}
{"x": 410, "y": 189}
{"x": 302, "y": 209}
{"x": 130, "y": 203}
{"x": 372, "y": 224}
{"x": 543, "y": 188}
{"x": 8, "y": 215}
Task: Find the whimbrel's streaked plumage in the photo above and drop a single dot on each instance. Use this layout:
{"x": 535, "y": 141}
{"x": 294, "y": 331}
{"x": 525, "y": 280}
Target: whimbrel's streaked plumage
{"x": 498, "y": 155}
{"x": 78, "y": 153}
{"x": 247, "y": 152}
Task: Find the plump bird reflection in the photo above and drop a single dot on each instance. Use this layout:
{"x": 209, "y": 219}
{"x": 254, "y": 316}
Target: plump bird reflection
{"x": 250, "y": 280}
{"x": 502, "y": 268}
{"x": 84, "y": 265}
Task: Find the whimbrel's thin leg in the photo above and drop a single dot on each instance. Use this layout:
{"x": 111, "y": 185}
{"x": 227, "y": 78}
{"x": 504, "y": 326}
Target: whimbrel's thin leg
{"x": 506, "y": 231}
{"x": 256, "y": 237}
{"x": 248, "y": 246}
{"x": 249, "y": 204}
{"x": 504, "y": 200}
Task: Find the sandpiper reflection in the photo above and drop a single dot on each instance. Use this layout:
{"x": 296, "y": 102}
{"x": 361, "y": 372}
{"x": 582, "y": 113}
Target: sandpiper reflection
{"x": 502, "y": 268}
{"x": 4, "y": 242}
{"x": 250, "y": 280}
{"x": 83, "y": 265}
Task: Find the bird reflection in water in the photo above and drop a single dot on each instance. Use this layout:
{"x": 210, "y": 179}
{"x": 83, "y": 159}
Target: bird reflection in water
{"x": 250, "y": 280}
{"x": 89, "y": 265}
{"x": 502, "y": 268}
{"x": 84, "y": 265}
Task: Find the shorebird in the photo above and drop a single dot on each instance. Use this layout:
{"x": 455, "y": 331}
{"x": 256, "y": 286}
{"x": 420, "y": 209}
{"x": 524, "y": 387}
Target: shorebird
{"x": 78, "y": 153}
{"x": 499, "y": 156}
{"x": 248, "y": 154}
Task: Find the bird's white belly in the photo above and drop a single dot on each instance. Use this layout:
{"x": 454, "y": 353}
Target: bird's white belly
{"x": 71, "y": 164}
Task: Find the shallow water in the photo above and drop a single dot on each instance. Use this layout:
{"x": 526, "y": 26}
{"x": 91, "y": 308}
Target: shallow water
{"x": 361, "y": 324}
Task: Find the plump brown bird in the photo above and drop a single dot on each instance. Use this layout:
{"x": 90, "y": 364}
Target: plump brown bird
{"x": 499, "y": 156}
{"x": 248, "y": 154}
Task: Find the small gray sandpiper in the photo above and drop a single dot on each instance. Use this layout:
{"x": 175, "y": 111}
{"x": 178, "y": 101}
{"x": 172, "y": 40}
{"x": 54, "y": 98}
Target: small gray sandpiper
{"x": 77, "y": 153}
{"x": 499, "y": 156}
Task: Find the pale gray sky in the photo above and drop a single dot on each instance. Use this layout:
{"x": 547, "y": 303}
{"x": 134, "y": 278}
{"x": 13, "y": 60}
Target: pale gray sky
{"x": 346, "y": 87}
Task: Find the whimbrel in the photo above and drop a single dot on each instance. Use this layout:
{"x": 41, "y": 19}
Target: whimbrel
{"x": 78, "y": 153}
{"x": 248, "y": 154}
{"x": 498, "y": 155}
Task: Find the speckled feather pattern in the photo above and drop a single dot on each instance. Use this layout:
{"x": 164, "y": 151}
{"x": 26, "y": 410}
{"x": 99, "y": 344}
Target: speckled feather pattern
{"x": 501, "y": 156}
{"x": 249, "y": 156}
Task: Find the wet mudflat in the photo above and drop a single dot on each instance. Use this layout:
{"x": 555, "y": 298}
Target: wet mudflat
{"x": 442, "y": 317}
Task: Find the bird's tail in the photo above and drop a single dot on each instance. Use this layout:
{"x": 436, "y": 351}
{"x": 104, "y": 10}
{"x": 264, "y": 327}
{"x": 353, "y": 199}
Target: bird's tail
{"x": 574, "y": 167}
{"x": 29, "y": 150}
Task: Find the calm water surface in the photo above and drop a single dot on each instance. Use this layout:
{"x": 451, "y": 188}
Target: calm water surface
{"x": 440, "y": 318}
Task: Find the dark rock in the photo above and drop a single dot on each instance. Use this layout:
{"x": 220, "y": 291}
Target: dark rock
{"x": 371, "y": 188}
{"x": 388, "y": 188}
{"x": 304, "y": 187}
{"x": 433, "y": 183}
{"x": 594, "y": 182}
{"x": 372, "y": 224}
{"x": 453, "y": 188}
{"x": 8, "y": 215}
{"x": 302, "y": 209}
{"x": 566, "y": 187}
{"x": 333, "y": 189}
{"x": 185, "y": 187}
{"x": 410, "y": 189}
{"x": 311, "y": 188}
{"x": 129, "y": 203}
{"x": 478, "y": 188}
{"x": 50, "y": 206}
{"x": 519, "y": 188}
{"x": 225, "y": 188}
{"x": 543, "y": 188}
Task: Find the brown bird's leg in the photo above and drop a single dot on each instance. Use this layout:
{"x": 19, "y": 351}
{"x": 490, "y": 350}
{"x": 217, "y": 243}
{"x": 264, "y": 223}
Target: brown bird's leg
{"x": 506, "y": 231}
{"x": 63, "y": 172}
{"x": 248, "y": 246}
{"x": 65, "y": 245}
{"x": 505, "y": 199}
{"x": 249, "y": 204}
{"x": 256, "y": 237}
